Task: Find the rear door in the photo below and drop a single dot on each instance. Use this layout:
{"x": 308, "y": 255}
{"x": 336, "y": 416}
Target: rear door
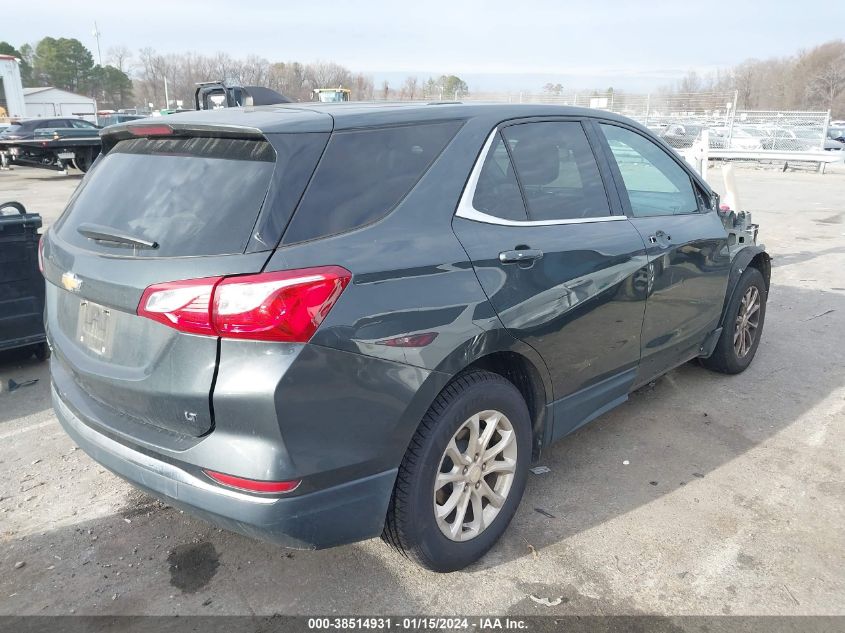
{"x": 687, "y": 247}
{"x": 181, "y": 207}
{"x": 560, "y": 268}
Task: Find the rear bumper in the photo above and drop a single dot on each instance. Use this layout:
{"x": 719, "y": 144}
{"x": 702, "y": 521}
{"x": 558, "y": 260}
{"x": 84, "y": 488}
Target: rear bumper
{"x": 344, "y": 513}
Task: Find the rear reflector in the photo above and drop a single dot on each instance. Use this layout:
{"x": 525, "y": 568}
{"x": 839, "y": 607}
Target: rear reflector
{"x": 412, "y": 340}
{"x": 284, "y": 306}
{"x": 253, "y": 485}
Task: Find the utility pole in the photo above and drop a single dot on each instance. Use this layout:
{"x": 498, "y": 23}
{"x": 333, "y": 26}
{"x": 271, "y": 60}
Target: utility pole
{"x": 96, "y": 34}
{"x": 166, "y": 97}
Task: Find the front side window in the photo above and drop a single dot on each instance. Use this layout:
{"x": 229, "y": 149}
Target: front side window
{"x": 557, "y": 170}
{"x": 655, "y": 183}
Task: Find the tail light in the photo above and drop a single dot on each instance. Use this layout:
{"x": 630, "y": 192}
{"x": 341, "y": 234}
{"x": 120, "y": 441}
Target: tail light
{"x": 278, "y": 306}
{"x": 184, "y": 305}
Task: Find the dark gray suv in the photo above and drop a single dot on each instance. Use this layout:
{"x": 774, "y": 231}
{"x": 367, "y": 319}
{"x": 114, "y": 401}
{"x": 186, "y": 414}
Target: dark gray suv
{"x": 316, "y": 324}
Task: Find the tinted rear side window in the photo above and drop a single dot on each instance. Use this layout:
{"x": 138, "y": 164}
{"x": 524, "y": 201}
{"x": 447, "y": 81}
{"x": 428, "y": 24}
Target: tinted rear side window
{"x": 364, "y": 174}
{"x": 193, "y": 196}
{"x": 497, "y": 192}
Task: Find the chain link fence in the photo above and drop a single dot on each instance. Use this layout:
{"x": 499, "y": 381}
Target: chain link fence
{"x": 683, "y": 120}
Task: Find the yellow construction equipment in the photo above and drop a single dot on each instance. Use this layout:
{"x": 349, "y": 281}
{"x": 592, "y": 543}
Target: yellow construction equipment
{"x": 332, "y": 95}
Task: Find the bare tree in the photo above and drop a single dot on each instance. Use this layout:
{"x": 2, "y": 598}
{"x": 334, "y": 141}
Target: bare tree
{"x": 328, "y": 75}
{"x": 410, "y": 88}
{"x": 828, "y": 84}
{"x": 119, "y": 56}
{"x": 813, "y": 78}
{"x": 362, "y": 88}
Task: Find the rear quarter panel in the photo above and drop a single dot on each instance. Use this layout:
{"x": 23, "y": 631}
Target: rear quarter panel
{"x": 410, "y": 275}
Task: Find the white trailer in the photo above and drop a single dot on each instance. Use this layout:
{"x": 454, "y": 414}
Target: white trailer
{"x": 11, "y": 91}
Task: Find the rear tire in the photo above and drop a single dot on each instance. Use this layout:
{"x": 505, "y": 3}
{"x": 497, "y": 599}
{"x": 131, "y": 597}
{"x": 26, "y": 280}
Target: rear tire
{"x": 743, "y": 325}
{"x": 447, "y": 526}
{"x": 41, "y": 351}
{"x": 83, "y": 160}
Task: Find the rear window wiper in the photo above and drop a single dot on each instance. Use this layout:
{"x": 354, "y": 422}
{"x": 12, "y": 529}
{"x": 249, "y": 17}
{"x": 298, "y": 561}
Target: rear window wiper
{"x": 100, "y": 233}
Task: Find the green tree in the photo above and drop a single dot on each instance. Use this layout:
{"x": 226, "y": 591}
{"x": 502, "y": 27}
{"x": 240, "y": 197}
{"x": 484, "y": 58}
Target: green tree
{"x": 63, "y": 63}
{"x": 25, "y": 67}
{"x": 110, "y": 86}
{"x": 453, "y": 86}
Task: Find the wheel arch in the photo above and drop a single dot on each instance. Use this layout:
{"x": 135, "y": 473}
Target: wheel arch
{"x": 748, "y": 257}
{"x": 532, "y": 382}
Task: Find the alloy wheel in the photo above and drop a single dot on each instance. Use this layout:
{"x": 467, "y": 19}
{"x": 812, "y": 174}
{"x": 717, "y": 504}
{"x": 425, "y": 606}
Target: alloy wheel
{"x": 747, "y": 322}
{"x": 475, "y": 475}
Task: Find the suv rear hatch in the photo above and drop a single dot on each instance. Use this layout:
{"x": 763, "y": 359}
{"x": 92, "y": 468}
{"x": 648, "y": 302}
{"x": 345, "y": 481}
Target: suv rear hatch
{"x": 153, "y": 210}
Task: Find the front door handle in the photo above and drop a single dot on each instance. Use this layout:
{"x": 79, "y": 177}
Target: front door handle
{"x": 521, "y": 255}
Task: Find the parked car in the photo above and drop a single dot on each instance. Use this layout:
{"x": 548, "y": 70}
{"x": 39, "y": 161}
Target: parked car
{"x": 796, "y": 140}
{"x": 836, "y": 134}
{"x": 316, "y": 324}
{"x": 681, "y": 136}
{"x": 25, "y": 130}
{"x": 112, "y": 118}
{"x": 746, "y": 138}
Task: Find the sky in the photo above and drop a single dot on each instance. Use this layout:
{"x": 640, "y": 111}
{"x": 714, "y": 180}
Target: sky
{"x": 493, "y": 45}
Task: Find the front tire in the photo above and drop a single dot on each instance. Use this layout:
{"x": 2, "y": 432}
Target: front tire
{"x": 463, "y": 475}
{"x": 743, "y": 325}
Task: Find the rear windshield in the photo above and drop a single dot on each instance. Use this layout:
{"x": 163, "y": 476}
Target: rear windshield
{"x": 192, "y": 196}
{"x": 364, "y": 174}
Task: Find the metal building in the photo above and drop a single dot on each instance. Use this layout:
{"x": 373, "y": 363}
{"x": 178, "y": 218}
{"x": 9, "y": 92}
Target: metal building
{"x": 52, "y": 102}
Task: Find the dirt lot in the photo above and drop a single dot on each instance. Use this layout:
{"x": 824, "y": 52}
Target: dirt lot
{"x": 704, "y": 494}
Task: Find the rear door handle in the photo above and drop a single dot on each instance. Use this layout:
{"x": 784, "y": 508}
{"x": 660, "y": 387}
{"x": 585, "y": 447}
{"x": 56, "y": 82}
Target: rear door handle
{"x": 522, "y": 255}
{"x": 660, "y": 238}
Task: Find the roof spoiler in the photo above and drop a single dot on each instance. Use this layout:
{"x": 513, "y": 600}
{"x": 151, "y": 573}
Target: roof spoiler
{"x": 163, "y": 128}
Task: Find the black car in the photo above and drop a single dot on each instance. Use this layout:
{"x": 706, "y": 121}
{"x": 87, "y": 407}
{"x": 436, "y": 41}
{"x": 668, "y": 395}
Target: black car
{"x": 25, "y": 130}
{"x": 836, "y": 134}
{"x": 316, "y": 324}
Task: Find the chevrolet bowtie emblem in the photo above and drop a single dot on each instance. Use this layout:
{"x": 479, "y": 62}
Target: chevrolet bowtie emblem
{"x": 71, "y": 282}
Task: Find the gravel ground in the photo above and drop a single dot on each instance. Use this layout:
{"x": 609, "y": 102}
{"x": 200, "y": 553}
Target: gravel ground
{"x": 704, "y": 494}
